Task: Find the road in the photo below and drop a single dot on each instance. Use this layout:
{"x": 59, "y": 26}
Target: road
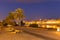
{"x": 31, "y": 34}
{"x": 43, "y": 33}
{"x": 19, "y": 36}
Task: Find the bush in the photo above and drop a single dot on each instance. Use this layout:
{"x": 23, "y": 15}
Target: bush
{"x": 5, "y": 24}
{"x": 33, "y": 25}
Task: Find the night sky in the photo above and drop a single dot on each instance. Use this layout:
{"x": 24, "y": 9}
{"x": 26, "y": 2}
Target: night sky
{"x": 33, "y": 9}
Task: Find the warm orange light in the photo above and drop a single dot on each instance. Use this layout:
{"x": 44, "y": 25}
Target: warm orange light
{"x": 58, "y": 29}
{"x": 50, "y": 22}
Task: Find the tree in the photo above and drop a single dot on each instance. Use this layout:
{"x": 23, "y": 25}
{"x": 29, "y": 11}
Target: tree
{"x": 15, "y": 16}
{"x": 20, "y": 14}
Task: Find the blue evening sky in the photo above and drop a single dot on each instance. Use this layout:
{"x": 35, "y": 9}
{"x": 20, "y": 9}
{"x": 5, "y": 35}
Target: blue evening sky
{"x": 33, "y": 9}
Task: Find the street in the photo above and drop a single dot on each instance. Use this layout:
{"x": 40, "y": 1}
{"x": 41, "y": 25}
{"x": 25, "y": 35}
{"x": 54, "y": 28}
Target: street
{"x": 31, "y": 34}
{"x": 43, "y": 33}
{"x": 18, "y": 36}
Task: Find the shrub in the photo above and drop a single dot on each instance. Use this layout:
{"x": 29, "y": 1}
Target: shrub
{"x": 33, "y": 25}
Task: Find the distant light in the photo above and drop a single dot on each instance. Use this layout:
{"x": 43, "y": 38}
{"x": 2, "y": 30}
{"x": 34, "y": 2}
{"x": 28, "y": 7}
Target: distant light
{"x": 58, "y": 29}
{"x": 9, "y": 25}
{"x": 40, "y": 19}
{"x": 48, "y": 26}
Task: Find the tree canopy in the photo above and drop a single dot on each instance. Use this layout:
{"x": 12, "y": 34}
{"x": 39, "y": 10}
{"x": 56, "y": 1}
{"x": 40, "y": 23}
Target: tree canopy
{"x": 16, "y": 15}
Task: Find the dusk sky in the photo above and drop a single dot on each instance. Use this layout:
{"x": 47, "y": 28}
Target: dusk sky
{"x": 33, "y": 9}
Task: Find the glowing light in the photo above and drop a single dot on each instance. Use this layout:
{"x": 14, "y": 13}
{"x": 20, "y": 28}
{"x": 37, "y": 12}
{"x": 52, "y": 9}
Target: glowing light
{"x": 48, "y": 26}
{"x": 38, "y": 22}
{"x": 58, "y": 29}
{"x": 51, "y": 22}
